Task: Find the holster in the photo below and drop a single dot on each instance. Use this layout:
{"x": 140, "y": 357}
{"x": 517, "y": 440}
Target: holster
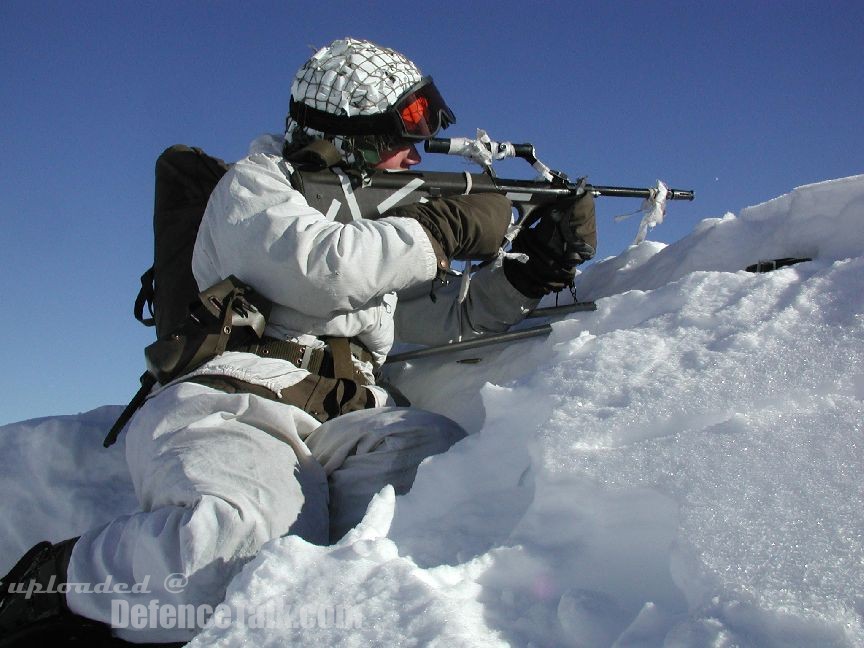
{"x": 229, "y": 313}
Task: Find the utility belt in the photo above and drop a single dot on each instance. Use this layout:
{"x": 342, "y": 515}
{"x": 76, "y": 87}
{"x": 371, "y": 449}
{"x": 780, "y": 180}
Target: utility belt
{"x": 335, "y": 357}
{"x": 333, "y": 387}
{"x": 231, "y": 317}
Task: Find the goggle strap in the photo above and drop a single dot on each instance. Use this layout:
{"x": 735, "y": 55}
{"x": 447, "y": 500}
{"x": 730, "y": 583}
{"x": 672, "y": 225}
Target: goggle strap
{"x": 309, "y": 117}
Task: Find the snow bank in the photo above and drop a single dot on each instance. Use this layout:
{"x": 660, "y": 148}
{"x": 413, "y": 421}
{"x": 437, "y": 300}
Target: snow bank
{"x": 821, "y": 221}
{"x": 680, "y": 467}
{"x": 57, "y": 480}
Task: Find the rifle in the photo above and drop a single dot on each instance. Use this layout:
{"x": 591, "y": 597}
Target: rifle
{"x": 346, "y": 195}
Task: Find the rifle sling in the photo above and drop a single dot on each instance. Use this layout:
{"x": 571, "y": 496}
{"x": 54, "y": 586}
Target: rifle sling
{"x": 147, "y": 383}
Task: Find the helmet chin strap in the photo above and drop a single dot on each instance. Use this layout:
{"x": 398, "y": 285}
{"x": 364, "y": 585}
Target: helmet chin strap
{"x": 371, "y": 156}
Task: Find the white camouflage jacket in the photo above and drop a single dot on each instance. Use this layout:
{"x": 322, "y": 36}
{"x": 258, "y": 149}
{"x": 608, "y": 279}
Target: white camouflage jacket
{"x": 365, "y": 279}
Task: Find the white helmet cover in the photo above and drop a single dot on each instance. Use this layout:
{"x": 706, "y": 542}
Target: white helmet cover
{"x": 351, "y": 79}
{"x": 354, "y": 77}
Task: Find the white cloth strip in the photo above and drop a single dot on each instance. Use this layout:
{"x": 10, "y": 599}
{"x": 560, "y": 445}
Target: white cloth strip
{"x": 469, "y": 183}
{"x": 348, "y": 190}
{"x": 333, "y": 210}
{"x": 307, "y": 356}
{"x": 399, "y": 195}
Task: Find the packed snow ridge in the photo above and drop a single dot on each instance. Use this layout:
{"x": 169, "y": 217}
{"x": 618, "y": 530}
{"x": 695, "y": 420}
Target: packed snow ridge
{"x": 680, "y": 467}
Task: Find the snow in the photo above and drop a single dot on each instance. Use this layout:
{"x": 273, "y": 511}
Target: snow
{"x": 680, "y": 467}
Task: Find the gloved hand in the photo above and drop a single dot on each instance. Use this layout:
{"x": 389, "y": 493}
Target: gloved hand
{"x": 564, "y": 236}
{"x": 462, "y": 227}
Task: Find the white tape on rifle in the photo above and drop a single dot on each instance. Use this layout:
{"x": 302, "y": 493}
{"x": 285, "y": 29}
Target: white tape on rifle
{"x": 398, "y": 195}
{"x": 464, "y": 284}
{"x": 333, "y": 210}
{"x": 348, "y": 190}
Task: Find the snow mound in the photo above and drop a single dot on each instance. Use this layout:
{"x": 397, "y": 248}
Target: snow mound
{"x": 680, "y": 467}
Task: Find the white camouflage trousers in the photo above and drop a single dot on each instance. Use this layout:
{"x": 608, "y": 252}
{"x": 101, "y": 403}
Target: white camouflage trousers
{"x": 217, "y": 475}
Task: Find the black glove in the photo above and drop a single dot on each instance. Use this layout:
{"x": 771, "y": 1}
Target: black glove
{"x": 24, "y": 617}
{"x": 565, "y": 235}
{"x": 463, "y": 227}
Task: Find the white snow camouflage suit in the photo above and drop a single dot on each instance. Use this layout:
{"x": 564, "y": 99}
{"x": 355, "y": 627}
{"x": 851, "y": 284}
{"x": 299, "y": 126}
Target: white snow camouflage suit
{"x": 219, "y": 474}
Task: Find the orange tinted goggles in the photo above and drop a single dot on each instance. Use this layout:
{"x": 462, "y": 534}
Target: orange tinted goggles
{"x": 422, "y": 111}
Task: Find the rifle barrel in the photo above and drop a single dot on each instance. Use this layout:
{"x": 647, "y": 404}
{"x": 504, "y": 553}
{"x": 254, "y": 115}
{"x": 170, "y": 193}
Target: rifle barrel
{"x": 495, "y": 338}
{"x": 566, "y": 309}
{"x": 633, "y": 192}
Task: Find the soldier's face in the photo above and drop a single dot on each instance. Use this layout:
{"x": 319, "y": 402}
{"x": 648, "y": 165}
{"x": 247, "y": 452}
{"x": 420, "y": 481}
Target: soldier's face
{"x": 403, "y": 156}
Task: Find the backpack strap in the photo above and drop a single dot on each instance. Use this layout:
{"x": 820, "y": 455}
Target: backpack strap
{"x": 148, "y": 381}
{"x": 340, "y": 349}
{"x": 317, "y": 155}
{"x": 145, "y": 297}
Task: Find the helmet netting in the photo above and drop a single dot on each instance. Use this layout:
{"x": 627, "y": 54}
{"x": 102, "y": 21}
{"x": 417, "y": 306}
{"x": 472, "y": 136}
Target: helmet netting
{"x": 354, "y": 77}
{"x": 350, "y": 77}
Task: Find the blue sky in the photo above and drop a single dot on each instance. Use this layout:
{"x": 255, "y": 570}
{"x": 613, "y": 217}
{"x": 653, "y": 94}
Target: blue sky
{"x": 740, "y": 101}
